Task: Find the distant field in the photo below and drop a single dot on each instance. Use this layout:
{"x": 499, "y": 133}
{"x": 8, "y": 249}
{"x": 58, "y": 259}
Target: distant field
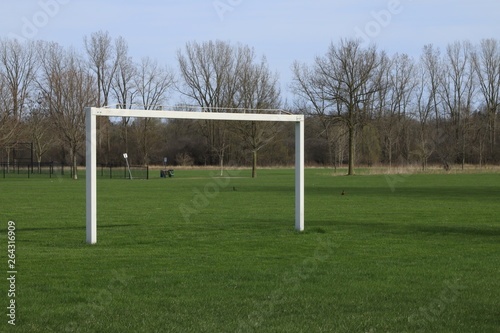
{"x": 396, "y": 253}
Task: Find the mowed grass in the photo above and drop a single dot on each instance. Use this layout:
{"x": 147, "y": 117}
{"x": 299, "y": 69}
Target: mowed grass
{"x": 200, "y": 254}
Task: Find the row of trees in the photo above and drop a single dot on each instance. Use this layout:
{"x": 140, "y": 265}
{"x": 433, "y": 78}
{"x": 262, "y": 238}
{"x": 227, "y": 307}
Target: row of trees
{"x": 444, "y": 105}
{"x": 361, "y": 104}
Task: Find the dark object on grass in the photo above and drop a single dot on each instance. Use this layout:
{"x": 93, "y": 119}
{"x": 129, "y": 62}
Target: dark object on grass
{"x": 343, "y": 192}
{"x": 165, "y": 173}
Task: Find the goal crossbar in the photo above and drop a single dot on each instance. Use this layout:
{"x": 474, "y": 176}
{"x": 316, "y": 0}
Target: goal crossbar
{"x": 91, "y": 160}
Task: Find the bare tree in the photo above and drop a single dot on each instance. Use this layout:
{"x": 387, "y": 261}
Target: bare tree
{"x": 258, "y": 89}
{"x": 209, "y": 73}
{"x": 347, "y": 78}
{"x": 67, "y": 88}
{"x": 456, "y": 91}
{"x": 18, "y": 69}
{"x": 312, "y": 101}
{"x": 487, "y": 65}
{"x": 431, "y": 62}
{"x": 153, "y": 83}
{"x": 124, "y": 85}
{"x": 425, "y": 104}
{"x": 103, "y": 58}
{"x": 8, "y": 123}
{"x": 403, "y": 83}
{"x": 103, "y": 62}
{"x": 38, "y": 124}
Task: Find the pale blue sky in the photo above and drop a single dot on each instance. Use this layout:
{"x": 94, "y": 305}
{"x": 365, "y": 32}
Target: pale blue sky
{"x": 283, "y": 31}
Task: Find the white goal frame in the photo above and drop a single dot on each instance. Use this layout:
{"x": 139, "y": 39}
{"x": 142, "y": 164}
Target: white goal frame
{"x": 235, "y": 114}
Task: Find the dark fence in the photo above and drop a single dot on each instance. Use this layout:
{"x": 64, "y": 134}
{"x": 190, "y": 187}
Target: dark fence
{"x": 28, "y": 170}
{"x": 122, "y": 172}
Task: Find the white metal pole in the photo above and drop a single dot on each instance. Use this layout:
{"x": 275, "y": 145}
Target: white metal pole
{"x": 92, "y": 113}
{"x": 91, "y": 186}
{"x": 128, "y": 166}
{"x": 129, "y": 172}
{"x": 299, "y": 175}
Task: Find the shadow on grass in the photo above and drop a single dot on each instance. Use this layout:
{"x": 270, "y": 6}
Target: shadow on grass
{"x": 444, "y": 192}
{"x": 468, "y": 231}
{"x": 79, "y": 228}
{"x": 312, "y": 230}
{"x": 394, "y": 228}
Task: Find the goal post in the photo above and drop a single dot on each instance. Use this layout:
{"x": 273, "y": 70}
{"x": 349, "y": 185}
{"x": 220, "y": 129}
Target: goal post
{"x": 235, "y": 114}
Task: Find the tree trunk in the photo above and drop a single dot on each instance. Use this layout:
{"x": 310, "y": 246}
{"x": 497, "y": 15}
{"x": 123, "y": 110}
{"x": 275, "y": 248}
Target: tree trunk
{"x": 254, "y": 164}
{"x": 75, "y": 170}
{"x": 390, "y": 153}
{"x": 480, "y": 152}
{"x": 8, "y": 160}
{"x": 351, "y": 151}
{"x": 331, "y": 153}
{"x": 493, "y": 139}
{"x": 463, "y": 151}
{"x": 221, "y": 160}
{"x": 126, "y": 137}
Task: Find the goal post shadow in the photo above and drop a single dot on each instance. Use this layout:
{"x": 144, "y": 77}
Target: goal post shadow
{"x": 236, "y": 114}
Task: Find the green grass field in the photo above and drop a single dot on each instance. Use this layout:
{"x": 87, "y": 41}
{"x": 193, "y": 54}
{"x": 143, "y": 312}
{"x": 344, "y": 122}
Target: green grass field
{"x": 412, "y": 253}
